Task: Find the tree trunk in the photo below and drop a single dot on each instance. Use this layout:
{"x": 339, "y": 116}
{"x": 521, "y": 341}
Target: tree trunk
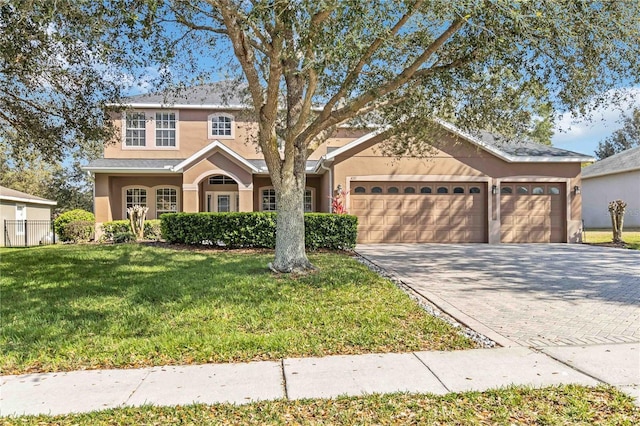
{"x": 290, "y": 256}
{"x": 290, "y": 253}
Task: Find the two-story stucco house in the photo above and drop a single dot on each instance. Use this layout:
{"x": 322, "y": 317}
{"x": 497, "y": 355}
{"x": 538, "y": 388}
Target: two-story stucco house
{"x": 194, "y": 153}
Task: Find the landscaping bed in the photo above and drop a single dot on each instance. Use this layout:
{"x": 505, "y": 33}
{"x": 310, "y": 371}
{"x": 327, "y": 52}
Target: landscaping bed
{"x": 522, "y": 406}
{"x": 132, "y": 305}
{"x": 603, "y": 238}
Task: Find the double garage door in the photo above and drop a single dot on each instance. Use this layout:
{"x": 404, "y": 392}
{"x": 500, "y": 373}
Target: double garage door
{"x": 456, "y": 212}
{"x": 410, "y": 212}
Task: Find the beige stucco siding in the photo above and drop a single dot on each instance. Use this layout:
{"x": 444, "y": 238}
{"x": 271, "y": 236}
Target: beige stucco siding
{"x": 192, "y": 135}
{"x": 109, "y": 203}
{"x": 462, "y": 161}
{"x": 597, "y": 192}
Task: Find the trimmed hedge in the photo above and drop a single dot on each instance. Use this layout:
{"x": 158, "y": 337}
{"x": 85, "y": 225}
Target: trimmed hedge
{"x": 116, "y": 227}
{"x": 256, "y": 229}
{"x": 75, "y": 232}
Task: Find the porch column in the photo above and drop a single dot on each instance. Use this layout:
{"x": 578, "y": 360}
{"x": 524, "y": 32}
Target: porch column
{"x": 190, "y": 198}
{"x": 245, "y": 198}
{"x": 102, "y": 203}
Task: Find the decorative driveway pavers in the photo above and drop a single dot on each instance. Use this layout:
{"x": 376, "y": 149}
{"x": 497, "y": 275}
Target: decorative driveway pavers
{"x": 531, "y": 294}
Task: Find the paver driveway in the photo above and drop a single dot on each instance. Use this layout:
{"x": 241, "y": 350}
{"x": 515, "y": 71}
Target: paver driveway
{"x": 534, "y": 295}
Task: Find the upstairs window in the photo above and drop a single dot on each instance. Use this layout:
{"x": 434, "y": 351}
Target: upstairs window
{"x": 221, "y": 126}
{"x": 136, "y": 129}
{"x": 165, "y": 129}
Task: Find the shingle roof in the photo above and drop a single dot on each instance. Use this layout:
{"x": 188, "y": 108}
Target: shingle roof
{"x": 525, "y": 148}
{"x": 628, "y": 160}
{"x": 223, "y": 93}
{"x": 13, "y": 195}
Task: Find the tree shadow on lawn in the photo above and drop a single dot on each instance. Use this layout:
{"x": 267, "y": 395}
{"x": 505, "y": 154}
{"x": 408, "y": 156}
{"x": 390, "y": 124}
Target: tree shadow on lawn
{"x": 54, "y": 297}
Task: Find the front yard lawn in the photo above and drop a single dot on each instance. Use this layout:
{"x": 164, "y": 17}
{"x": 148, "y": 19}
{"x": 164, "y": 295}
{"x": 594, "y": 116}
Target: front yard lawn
{"x": 631, "y": 238}
{"x": 563, "y": 405}
{"x": 123, "y": 306}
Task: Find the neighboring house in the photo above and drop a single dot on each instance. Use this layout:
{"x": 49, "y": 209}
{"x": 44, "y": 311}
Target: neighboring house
{"x": 194, "y": 154}
{"x": 20, "y": 206}
{"x": 613, "y": 178}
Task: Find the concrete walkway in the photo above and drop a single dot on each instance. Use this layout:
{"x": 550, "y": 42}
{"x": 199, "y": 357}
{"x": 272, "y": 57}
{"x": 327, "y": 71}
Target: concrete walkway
{"x": 429, "y": 372}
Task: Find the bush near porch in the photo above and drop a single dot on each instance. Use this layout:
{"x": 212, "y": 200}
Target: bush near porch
{"x": 257, "y": 229}
{"x": 70, "y": 307}
{"x": 117, "y": 227}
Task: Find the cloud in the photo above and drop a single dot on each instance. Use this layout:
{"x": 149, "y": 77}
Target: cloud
{"x": 573, "y": 131}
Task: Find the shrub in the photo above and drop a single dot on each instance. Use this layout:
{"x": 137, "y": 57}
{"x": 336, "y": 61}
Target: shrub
{"x": 79, "y": 230}
{"x": 152, "y": 229}
{"x": 330, "y": 231}
{"x": 61, "y": 223}
{"x": 124, "y": 237}
{"x": 256, "y": 229}
{"x": 110, "y": 229}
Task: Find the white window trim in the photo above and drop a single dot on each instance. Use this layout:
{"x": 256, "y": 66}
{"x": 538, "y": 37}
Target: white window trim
{"x": 154, "y": 190}
{"x": 221, "y": 114}
{"x": 150, "y": 205}
{"x": 306, "y": 188}
{"x": 150, "y": 140}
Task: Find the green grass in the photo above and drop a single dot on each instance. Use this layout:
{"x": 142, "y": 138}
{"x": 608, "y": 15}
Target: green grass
{"x": 124, "y": 306}
{"x": 631, "y": 238}
{"x": 575, "y": 405}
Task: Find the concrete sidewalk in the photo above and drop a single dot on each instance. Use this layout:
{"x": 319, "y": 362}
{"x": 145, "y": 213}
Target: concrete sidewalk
{"x": 428, "y": 372}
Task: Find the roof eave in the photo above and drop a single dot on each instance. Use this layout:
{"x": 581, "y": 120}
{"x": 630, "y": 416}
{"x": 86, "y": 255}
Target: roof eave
{"x": 176, "y": 106}
{"x": 28, "y": 200}
{"x": 616, "y": 172}
{"x": 128, "y": 169}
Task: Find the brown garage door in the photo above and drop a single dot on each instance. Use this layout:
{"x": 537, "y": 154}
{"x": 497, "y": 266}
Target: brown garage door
{"x": 417, "y": 212}
{"x": 532, "y": 213}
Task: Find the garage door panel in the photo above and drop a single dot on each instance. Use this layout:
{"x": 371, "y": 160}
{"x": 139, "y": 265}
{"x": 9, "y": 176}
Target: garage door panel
{"x": 393, "y": 236}
{"x": 376, "y": 220}
{"x": 409, "y": 236}
{"x": 376, "y": 204}
{"x": 410, "y": 220}
{"x": 393, "y": 220}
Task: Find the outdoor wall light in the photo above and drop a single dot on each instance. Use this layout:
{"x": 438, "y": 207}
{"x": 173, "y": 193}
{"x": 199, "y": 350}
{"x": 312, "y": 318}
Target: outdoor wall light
{"x": 576, "y": 190}
{"x": 494, "y": 189}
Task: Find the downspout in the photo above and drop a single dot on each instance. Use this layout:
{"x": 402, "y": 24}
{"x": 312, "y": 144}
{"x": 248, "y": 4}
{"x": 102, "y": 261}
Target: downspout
{"x": 330, "y": 179}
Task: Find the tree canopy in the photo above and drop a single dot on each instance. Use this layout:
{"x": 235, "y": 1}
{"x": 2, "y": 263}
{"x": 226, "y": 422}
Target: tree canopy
{"x": 628, "y": 136}
{"x": 312, "y": 65}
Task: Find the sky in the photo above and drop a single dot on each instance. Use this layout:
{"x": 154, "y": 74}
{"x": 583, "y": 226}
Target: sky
{"x": 583, "y": 135}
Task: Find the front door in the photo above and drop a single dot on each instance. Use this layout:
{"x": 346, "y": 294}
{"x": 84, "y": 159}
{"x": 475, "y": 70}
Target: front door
{"x": 222, "y": 201}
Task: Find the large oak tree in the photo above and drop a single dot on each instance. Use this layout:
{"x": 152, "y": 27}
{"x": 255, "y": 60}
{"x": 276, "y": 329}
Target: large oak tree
{"x": 311, "y": 65}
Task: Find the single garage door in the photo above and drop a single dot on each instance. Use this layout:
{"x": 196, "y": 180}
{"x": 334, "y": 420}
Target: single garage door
{"x": 420, "y": 212}
{"x": 532, "y": 212}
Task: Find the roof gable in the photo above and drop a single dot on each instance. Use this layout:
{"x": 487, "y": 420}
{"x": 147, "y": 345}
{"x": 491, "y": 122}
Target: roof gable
{"x": 209, "y": 149}
{"x": 521, "y": 152}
